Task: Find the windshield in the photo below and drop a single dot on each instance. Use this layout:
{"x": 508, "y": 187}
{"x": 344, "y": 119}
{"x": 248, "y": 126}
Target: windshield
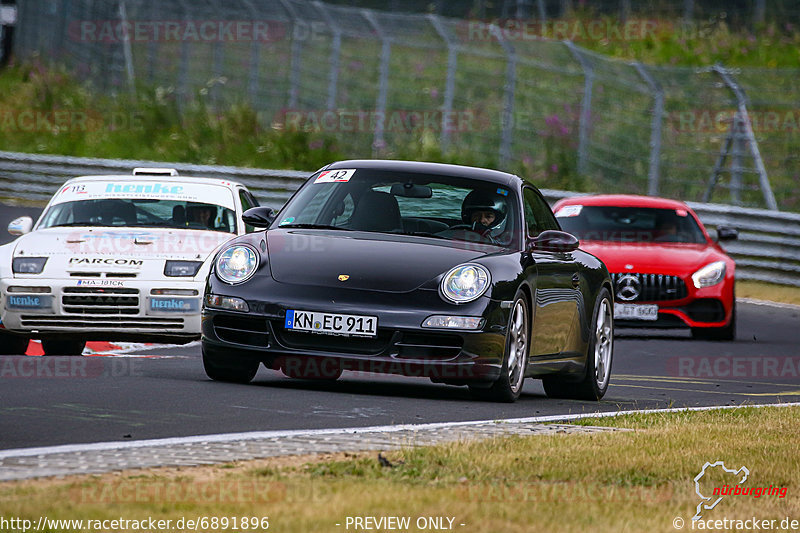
{"x": 140, "y": 212}
{"x": 630, "y": 224}
{"x": 409, "y": 203}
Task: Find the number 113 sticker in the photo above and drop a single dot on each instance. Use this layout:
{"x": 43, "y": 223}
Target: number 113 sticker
{"x": 332, "y": 176}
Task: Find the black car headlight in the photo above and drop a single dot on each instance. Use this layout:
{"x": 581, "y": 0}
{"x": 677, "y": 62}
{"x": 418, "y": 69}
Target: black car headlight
{"x": 237, "y": 264}
{"x": 181, "y": 269}
{"x": 28, "y": 265}
{"x": 465, "y": 283}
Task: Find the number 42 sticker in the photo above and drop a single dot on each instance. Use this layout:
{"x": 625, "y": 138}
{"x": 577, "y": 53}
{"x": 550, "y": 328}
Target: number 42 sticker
{"x": 331, "y": 176}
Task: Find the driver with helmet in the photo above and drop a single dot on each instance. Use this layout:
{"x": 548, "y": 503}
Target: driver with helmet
{"x": 485, "y": 213}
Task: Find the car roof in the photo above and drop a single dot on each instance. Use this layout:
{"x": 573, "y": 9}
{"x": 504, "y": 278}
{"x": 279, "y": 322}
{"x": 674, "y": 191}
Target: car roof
{"x": 483, "y": 174}
{"x": 624, "y": 200}
{"x": 143, "y": 177}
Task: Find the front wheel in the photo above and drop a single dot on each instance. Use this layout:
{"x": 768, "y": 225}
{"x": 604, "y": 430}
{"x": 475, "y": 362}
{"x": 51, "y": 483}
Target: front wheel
{"x": 508, "y": 386}
{"x": 229, "y": 371}
{"x": 63, "y": 346}
{"x": 725, "y": 333}
{"x": 13, "y": 344}
{"x": 594, "y": 383}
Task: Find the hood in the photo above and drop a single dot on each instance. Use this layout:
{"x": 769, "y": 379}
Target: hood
{"x": 124, "y": 249}
{"x": 375, "y": 262}
{"x": 653, "y": 258}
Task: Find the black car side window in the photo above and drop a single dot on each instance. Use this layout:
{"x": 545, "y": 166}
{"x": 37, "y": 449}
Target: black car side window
{"x": 538, "y": 215}
{"x": 247, "y": 203}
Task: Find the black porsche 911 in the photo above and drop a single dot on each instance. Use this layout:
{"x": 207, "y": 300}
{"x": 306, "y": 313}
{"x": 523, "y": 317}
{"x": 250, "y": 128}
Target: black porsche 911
{"x": 458, "y": 274}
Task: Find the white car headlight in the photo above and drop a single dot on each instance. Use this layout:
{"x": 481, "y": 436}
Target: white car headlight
{"x": 465, "y": 283}
{"x": 175, "y": 269}
{"x": 709, "y": 275}
{"x": 236, "y": 264}
{"x": 28, "y": 265}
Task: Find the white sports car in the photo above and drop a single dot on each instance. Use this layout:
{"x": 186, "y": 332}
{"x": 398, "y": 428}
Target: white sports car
{"x": 119, "y": 257}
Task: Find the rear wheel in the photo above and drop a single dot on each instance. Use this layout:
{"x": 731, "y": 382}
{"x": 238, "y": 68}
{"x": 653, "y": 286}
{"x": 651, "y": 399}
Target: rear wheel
{"x": 63, "y": 346}
{"x": 725, "y": 333}
{"x": 230, "y": 371}
{"x": 13, "y": 344}
{"x": 594, "y": 382}
{"x": 508, "y": 386}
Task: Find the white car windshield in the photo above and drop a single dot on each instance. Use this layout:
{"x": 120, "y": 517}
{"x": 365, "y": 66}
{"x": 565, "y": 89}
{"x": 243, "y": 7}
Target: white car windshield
{"x": 140, "y": 212}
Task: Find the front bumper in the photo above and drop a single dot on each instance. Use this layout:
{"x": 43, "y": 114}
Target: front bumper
{"x": 401, "y": 346}
{"x": 709, "y": 307}
{"x": 102, "y": 309}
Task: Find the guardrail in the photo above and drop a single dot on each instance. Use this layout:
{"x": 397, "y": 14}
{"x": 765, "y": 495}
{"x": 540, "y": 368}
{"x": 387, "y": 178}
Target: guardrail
{"x": 768, "y": 248}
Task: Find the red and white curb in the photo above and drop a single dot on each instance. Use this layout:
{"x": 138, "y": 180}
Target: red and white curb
{"x": 111, "y": 349}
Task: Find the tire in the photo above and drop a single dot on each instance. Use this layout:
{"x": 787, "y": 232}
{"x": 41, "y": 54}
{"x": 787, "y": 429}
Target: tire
{"x": 725, "y": 333}
{"x": 229, "y": 371}
{"x": 63, "y": 346}
{"x": 13, "y": 344}
{"x": 508, "y": 386}
{"x": 594, "y": 383}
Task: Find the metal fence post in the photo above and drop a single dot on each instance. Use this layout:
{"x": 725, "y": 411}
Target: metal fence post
{"x": 126, "y": 49}
{"x": 542, "y": 13}
{"x": 625, "y": 10}
{"x": 586, "y": 105}
{"x": 255, "y": 47}
{"x": 152, "y": 44}
{"x": 450, "y": 82}
{"x": 653, "y": 175}
{"x": 297, "y": 49}
{"x": 336, "y": 52}
{"x": 741, "y": 98}
{"x": 759, "y": 11}
{"x": 509, "y": 95}
{"x": 183, "y": 62}
{"x": 218, "y": 60}
{"x": 379, "y": 142}
{"x": 688, "y": 11}
{"x": 736, "y": 160}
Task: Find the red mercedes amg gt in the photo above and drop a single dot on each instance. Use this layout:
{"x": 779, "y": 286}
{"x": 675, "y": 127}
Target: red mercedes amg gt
{"x": 667, "y": 271}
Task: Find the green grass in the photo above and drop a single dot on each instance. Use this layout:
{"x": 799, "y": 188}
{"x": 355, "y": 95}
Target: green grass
{"x": 638, "y": 480}
{"x": 772, "y": 292}
{"x": 151, "y": 126}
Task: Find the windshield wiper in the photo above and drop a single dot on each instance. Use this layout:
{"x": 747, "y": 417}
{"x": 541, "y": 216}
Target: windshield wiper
{"x": 65, "y": 224}
{"x": 313, "y": 226}
{"x": 424, "y": 234}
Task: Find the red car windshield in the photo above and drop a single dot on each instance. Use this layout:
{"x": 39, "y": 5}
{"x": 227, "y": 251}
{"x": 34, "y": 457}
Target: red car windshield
{"x": 630, "y": 224}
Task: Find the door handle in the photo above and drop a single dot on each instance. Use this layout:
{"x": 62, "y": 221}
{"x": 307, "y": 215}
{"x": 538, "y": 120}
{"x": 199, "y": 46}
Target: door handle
{"x": 576, "y": 280}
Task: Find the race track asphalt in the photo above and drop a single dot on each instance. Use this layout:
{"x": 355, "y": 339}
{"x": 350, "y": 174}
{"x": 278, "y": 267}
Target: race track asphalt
{"x": 164, "y": 392}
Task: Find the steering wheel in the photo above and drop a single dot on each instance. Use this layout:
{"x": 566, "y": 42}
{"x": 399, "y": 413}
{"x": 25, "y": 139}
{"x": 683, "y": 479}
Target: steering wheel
{"x": 469, "y": 227}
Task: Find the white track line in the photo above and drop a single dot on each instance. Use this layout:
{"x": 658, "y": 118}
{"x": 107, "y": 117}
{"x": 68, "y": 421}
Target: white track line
{"x": 768, "y": 303}
{"x": 255, "y": 435}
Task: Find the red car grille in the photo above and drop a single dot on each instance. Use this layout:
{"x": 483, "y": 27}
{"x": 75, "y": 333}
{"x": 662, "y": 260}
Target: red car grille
{"x": 636, "y": 287}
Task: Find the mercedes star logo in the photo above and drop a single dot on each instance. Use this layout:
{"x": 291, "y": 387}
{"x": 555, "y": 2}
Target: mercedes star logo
{"x": 628, "y": 287}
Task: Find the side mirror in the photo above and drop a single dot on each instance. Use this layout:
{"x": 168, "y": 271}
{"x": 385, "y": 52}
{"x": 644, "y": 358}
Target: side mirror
{"x": 20, "y": 226}
{"x": 259, "y": 217}
{"x": 555, "y": 241}
{"x": 725, "y": 233}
